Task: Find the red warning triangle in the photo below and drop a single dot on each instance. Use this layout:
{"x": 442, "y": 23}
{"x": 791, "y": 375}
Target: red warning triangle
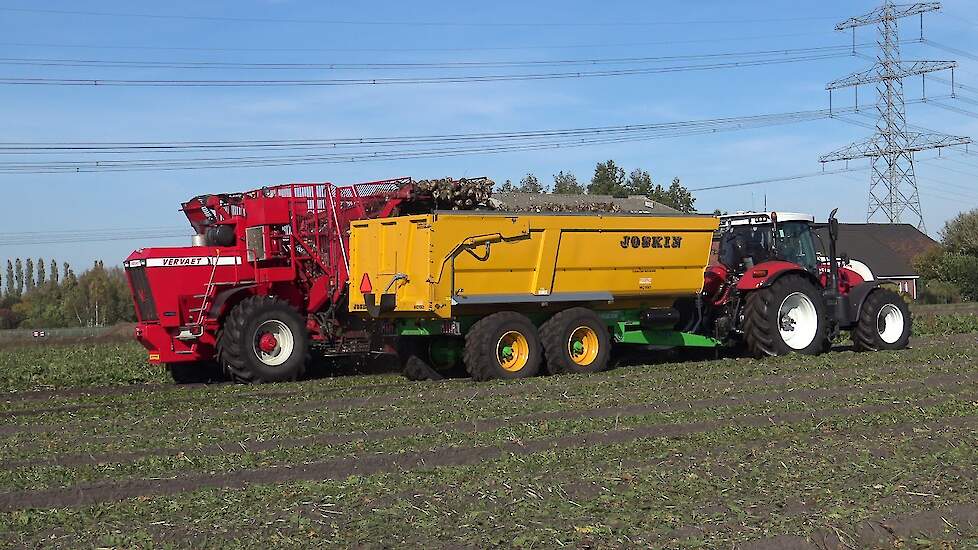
{"x": 365, "y": 286}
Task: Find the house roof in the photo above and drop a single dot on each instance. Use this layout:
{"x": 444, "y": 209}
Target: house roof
{"x": 533, "y": 202}
{"x": 888, "y": 249}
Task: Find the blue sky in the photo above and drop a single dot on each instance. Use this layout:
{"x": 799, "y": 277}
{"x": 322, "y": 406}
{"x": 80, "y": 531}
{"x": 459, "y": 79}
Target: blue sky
{"x": 139, "y": 200}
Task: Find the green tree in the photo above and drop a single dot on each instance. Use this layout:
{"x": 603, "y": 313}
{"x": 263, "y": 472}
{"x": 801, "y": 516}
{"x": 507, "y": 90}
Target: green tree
{"x": 507, "y": 187}
{"x": 55, "y": 279}
{"x": 681, "y": 198}
{"x": 960, "y": 235}
{"x": 42, "y": 277}
{"x": 530, "y": 184}
{"x": 11, "y": 282}
{"x": 567, "y": 184}
{"x": 18, "y": 278}
{"x": 29, "y": 276}
{"x": 608, "y": 179}
{"x": 639, "y": 183}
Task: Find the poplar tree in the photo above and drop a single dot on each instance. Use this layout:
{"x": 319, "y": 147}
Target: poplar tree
{"x": 42, "y": 277}
{"x": 19, "y": 277}
{"x": 29, "y": 276}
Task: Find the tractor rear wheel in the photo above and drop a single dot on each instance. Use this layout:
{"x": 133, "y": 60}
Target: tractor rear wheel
{"x": 884, "y": 322}
{"x": 503, "y": 345}
{"x": 264, "y": 339}
{"x": 787, "y": 317}
{"x": 576, "y": 341}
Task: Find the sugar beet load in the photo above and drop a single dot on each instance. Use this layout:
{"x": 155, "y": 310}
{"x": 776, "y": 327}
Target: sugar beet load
{"x": 430, "y": 271}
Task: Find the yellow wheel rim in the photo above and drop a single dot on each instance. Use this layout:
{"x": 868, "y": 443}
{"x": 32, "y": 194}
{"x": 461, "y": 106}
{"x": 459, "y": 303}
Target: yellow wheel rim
{"x": 582, "y": 346}
{"x": 512, "y": 351}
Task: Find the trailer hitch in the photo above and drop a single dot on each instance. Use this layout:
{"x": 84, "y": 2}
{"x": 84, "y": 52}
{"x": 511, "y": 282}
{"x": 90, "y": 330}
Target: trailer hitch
{"x": 388, "y": 300}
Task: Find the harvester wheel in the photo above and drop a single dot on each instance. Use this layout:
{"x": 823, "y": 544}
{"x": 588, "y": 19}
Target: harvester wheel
{"x": 264, "y": 339}
{"x": 884, "y": 322}
{"x": 198, "y": 372}
{"x": 503, "y": 345}
{"x": 576, "y": 341}
{"x": 786, "y": 317}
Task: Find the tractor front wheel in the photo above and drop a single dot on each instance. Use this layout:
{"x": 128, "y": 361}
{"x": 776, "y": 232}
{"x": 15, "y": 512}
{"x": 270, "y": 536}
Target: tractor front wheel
{"x": 503, "y": 345}
{"x": 787, "y": 317}
{"x": 264, "y": 339}
{"x": 884, "y": 322}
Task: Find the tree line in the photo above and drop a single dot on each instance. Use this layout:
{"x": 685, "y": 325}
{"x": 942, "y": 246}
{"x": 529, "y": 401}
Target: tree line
{"x": 40, "y": 294}
{"x": 609, "y": 179}
{"x": 949, "y": 272}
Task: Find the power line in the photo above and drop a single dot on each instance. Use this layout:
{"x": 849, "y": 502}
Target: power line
{"x": 631, "y": 23}
{"x": 408, "y": 50}
{"x": 56, "y": 62}
{"x": 780, "y": 179}
{"x": 48, "y": 147}
{"x": 450, "y": 146}
{"x": 410, "y": 80}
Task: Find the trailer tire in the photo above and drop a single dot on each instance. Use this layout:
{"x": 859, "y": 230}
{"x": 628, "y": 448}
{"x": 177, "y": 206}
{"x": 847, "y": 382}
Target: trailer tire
{"x": 787, "y": 317}
{"x": 576, "y": 341}
{"x": 244, "y": 348}
{"x": 503, "y": 345}
{"x": 197, "y": 372}
{"x": 885, "y": 322}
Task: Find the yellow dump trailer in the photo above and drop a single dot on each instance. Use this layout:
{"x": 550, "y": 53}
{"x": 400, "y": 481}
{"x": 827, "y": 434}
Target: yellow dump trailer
{"x": 447, "y": 274}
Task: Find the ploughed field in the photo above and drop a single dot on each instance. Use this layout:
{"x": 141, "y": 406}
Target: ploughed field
{"x": 842, "y": 450}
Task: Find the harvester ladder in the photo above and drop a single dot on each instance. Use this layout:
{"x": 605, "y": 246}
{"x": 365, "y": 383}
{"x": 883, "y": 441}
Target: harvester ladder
{"x": 208, "y": 294}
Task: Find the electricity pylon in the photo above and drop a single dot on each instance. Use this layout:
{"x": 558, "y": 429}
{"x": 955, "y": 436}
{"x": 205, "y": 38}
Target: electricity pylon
{"x": 893, "y": 184}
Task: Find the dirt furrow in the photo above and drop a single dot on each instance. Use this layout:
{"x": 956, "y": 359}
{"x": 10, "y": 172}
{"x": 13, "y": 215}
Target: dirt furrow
{"x": 368, "y": 464}
{"x": 945, "y": 524}
{"x": 459, "y": 390}
{"x": 954, "y": 384}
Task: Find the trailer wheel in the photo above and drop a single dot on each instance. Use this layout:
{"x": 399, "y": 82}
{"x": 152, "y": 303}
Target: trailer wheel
{"x": 786, "y": 317}
{"x": 576, "y": 341}
{"x": 197, "y": 372}
{"x": 263, "y": 339}
{"x": 884, "y": 322}
{"x": 503, "y": 345}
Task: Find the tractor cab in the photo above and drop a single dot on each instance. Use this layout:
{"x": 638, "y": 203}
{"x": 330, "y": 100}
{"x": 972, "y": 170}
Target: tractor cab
{"x": 747, "y": 239}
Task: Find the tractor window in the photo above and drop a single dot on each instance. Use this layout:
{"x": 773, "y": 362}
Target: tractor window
{"x": 741, "y": 242}
{"x": 796, "y": 245}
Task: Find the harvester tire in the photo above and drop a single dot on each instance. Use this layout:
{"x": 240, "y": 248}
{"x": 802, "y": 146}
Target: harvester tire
{"x": 503, "y": 345}
{"x": 787, "y": 317}
{"x": 885, "y": 322}
{"x": 263, "y": 339}
{"x": 576, "y": 341}
{"x": 198, "y": 372}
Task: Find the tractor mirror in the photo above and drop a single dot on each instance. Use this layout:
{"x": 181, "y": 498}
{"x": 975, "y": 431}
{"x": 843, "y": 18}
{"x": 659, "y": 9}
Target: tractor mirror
{"x": 833, "y": 225}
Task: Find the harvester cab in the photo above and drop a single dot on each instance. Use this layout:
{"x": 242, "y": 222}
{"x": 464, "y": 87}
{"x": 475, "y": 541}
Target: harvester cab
{"x": 778, "y": 288}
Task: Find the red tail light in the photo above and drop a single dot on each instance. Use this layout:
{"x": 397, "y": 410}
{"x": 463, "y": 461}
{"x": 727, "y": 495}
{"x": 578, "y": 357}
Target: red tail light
{"x": 365, "y": 286}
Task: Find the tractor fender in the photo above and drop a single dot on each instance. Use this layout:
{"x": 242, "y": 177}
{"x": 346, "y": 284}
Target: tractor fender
{"x": 857, "y": 297}
{"x": 232, "y": 296}
{"x": 765, "y": 274}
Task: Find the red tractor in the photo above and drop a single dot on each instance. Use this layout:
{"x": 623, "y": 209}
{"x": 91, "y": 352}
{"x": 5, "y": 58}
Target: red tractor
{"x": 772, "y": 291}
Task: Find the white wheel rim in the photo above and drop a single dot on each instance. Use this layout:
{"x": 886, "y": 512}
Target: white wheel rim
{"x": 284, "y": 342}
{"x": 889, "y": 323}
{"x": 797, "y": 321}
